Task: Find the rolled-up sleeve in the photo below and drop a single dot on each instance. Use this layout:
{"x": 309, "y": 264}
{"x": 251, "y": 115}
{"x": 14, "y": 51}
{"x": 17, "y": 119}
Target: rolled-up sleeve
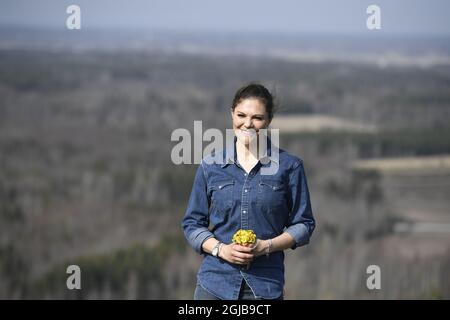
{"x": 301, "y": 222}
{"x": 196, "y": 220}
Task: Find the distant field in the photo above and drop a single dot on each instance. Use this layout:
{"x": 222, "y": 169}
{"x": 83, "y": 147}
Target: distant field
{"x": 318, "y": 123}
{"x": 86, "y": 175}
{"x": 412, "y": 165}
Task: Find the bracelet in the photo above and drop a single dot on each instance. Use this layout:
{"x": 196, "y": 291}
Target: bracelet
{"x": 269, "y": 248}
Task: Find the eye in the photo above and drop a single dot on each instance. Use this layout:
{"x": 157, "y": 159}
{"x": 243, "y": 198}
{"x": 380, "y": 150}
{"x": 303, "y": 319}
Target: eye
{"x": 241, "y": 115}
{"x": 259, "y": 118}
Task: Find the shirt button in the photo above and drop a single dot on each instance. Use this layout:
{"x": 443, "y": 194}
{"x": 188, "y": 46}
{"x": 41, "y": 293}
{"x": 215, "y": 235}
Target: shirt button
{"x": 245, "y": 174}
{"x": 245, "y": 190}
{"x": 244, "y": 211}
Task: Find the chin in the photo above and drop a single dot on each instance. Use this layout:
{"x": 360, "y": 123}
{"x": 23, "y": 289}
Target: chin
{"x": 246, "y": 140}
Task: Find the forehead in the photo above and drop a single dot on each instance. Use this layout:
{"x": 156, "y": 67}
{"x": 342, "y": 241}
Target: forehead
{"x": 251, "y": 106}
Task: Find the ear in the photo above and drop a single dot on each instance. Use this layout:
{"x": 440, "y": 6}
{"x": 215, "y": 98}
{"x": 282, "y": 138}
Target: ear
{"x": 231, "y": 112}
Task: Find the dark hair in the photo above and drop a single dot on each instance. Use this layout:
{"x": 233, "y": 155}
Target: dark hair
{"x": 255, "y": 91}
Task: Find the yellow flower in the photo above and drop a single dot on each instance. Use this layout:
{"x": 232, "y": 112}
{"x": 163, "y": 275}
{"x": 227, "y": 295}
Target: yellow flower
{"x": 244, "y": 237}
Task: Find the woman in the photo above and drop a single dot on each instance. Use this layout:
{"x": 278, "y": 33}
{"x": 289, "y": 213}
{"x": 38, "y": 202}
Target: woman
{"x": 236, "y": 194}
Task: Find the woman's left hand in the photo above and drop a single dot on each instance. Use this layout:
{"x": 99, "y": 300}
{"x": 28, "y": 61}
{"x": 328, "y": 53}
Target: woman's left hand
{"x": 260, "y": 247}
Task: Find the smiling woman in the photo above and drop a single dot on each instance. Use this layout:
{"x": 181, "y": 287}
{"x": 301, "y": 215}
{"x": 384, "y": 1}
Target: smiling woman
{"x": 236, "y": 194}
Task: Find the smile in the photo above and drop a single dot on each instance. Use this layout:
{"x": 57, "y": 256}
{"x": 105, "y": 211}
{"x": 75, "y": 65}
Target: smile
{"x": 248, "y": 133}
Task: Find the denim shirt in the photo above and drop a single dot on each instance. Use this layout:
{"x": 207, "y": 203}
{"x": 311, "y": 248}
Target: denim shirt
{"x": 225, "y": 198}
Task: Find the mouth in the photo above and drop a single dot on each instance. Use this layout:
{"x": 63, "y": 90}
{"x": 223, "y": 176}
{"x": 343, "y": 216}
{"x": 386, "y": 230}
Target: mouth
{"x": 247, "y": 133}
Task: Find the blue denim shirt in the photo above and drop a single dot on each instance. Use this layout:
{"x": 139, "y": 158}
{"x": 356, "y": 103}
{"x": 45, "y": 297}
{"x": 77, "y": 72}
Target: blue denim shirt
{"x": 225, "y": 198}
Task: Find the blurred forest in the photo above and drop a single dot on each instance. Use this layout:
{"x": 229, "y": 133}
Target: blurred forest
{"x": 86, "y": 176}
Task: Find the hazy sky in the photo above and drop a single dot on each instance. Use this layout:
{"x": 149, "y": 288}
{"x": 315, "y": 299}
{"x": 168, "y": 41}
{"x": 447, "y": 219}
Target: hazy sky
{"x": 318, "y": 16}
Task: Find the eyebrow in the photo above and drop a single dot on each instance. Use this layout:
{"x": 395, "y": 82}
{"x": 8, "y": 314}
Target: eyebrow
{"x": 255, "y": 115}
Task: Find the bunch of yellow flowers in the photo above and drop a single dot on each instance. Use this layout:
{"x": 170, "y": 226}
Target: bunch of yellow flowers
{"x": 244, "y": 237}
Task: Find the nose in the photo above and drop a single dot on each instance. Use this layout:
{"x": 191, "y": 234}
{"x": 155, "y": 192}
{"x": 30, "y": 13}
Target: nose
{"x": 248, "y": 123}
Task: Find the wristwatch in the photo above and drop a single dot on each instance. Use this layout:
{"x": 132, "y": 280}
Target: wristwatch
{"x": 215, "y": 250}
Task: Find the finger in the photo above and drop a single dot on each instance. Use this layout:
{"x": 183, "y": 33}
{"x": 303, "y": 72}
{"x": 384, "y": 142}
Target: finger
{"x": 242, "y": 255}
{"x": 241, "y": 261}
{"x": 253, "y": 246}
{"x": 240, "y": 248}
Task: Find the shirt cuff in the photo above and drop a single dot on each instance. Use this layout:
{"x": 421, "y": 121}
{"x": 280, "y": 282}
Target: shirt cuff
{"x": 300, "y": 233}
{"x": 197, "y": 237}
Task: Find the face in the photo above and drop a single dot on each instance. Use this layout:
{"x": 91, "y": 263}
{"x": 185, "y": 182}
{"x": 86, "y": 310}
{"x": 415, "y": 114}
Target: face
{"x": 249, "y": 116}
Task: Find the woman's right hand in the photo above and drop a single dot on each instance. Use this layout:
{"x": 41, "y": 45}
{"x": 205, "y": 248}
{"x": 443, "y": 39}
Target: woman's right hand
{"x": 235, "y": 253}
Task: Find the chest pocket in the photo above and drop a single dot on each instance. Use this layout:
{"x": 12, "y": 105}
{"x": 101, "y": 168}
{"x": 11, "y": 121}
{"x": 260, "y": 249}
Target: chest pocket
{"x": 221, "y": 192}
{"x": 271, "y": 194}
